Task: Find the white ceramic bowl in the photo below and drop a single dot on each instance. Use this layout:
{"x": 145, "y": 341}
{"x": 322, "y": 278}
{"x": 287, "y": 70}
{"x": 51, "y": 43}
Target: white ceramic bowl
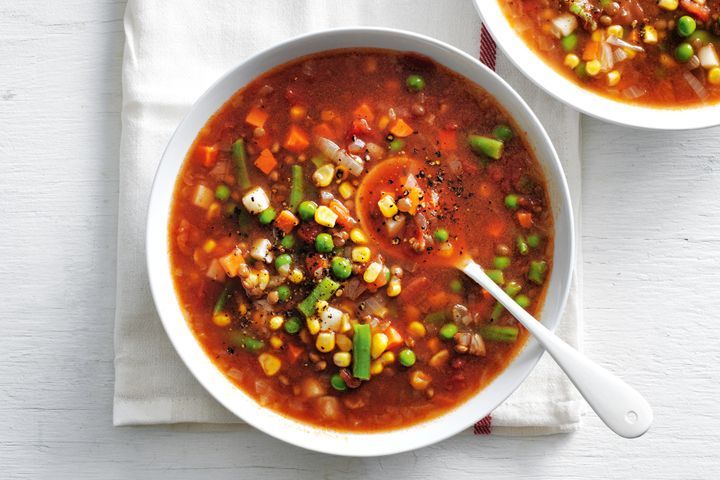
{"x": 565, "y": 90}
{"x": 233, "y": 398}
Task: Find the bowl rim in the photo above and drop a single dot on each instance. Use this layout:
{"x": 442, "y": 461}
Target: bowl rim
{"x": 617, "y": 112}
{"x": 233, "y": 398}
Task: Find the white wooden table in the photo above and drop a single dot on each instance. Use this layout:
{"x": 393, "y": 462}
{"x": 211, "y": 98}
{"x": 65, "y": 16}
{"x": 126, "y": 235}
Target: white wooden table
{"x": 651, "y": 239}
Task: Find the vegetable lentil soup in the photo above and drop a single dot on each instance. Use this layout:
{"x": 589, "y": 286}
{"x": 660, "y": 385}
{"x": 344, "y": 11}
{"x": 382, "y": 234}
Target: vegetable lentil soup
{"x": 314, "y": 228}
{"x": 652, "y": 52}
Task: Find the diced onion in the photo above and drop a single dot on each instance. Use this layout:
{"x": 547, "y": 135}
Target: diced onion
{"x": 331, "y": 150}
{"x": 564, "y": 25}
{"x": 617, "y": 42}
{"x": 261, "y": 250}
{"x": 203, "y": 197}
{"x": 620, "y": 55}
{"x": 330, "y": 319}
{"x": 695, "y": 84}
{"x": 633, "y": 92}
{"x": 708, "y": 56}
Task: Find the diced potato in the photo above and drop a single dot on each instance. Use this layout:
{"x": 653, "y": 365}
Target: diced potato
{"x": 256, "y": 201}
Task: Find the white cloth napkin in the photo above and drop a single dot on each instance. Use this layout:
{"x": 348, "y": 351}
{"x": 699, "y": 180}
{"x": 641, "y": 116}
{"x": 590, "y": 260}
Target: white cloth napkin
{"x": 173, "y": 52}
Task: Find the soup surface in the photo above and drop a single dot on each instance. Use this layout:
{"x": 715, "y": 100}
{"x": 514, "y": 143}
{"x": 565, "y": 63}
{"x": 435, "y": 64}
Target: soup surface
{"x": 652, "y": 52}
{"x": 314, "y": 229}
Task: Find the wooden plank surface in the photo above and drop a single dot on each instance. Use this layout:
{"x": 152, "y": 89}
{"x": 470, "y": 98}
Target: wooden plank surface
{"x": 651, "y": 237}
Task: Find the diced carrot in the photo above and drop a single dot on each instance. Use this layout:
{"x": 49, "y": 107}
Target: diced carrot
{"x": 298, "y": 112}
{"x": 294, "y": 352}
{"x": 360, "y": 126}
{"x": 266, "y": 161}
{"x": 256, "y": 117}
{"x": 447, "y": 139}
{"x": 286, "y": 221}
{"x": 364, "y": 111}
{"x": 297, "y": 140}
{"x": 401, "y": 129}
{"x": 344, "y": 219}
{"x": 394, "y": 337}
{"x": 265, "y": 141}
{"x": 434, "y": 344}
{"x": 206, "y": 155}
{"x": 485, "y": 190}
{"x": 591, "y": 51}
{"x": 524, "y": 219}
{"x": 495, "y": 228}
{"x": 438, "y": 300}
{"x": 485, "y": 294}
{"x": 323, "y": 130}
{"x": 392, "y": 85}
{"x": 702, "y": 12}
{"x": 231, "y": 262}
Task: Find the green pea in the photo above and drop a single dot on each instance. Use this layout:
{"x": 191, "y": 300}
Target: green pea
{"x": 406, "y": 357}
{"x": 288, "y": 241}
{"x": 341, "y": 267}
{"x": 441, "y": 235}
{"x": 496, "y": 276}
{"x": 283, "y": 293}
{"x": 686, "y": 26}
{"x": 580, "y": 70}
{"x": 338, "y": 383}
{"x": 448, "y": 331}
{"x": 684, "y": 52}
{"x": 501, "y": 263}
{"x": 523, "y": 300}
{"x": 306, "y": 209}
{"x": 222, "y": 192}
{"x": 456, "y": 285}
{"x": 283, "y": 260}
{"x": 324, "y": 243}
{"x": 267, "y": 216}
{"x": 292, "y": 325}
{"x": 511, "y": 201}
{"x": 503, "y": 132}
{"x": 415, "y": 82}
{"x": 569, "y": 43}
{"x": 397, "y": 145}
{"x": 522, "y": 245}
{"x": 533, "y": 240}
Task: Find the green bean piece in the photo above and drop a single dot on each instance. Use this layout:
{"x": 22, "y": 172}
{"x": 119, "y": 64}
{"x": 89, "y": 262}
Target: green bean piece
{"x": 503, "y": 132}
{"x": 397, "y": 145}
{"x": 490, "y": 147}
{"x": 267, "y": 216}
{"x": 533, "y": 240}
{"x": 501, "y": 263}
{"x": 512, "y": 289}
{"x": 569, "y": 43}
{"x": 456, "y": 285}
{"x": 437, "y": 318}
{"x": 288, "y": 242}
{"x": 496, "y": 276}
{"x": 406, "y": 357}
{"x": 448, "y": 331}
{"x": 361, "y": 352}
{"x": 222, "y": 299}
{"x": 292, "y": 325}
{"x": 537, "y": 271}
{"x": 415, "y": 82}
{"x": 284, "y": 293}
{"x": 500, "y": 333}
{"x": 247, "y": 342}
{"x": 522, "y": 245}
{"x": 322, "y": 291}
{"x": 337, "y": 382}
{"x": 297, "y": 187}
{"x": 512, "y": 201}
{"x": 580, "y": 70}
{"x": 523, "y": 300}
{"x": 239, "y": 157}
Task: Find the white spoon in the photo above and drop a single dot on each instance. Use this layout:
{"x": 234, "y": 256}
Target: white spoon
{"x": 617, "y": 404}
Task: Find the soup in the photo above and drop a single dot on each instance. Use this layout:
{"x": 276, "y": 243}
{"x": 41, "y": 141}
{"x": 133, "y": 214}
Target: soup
{"x": 652, "y": 52}
{"x": 315, "y": 225}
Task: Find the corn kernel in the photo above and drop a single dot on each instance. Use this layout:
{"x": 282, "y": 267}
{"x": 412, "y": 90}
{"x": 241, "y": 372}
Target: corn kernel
{"x": 323, "y": 176}
{"x": 313, "y": 325}
{"x": 345, "y": 325}
{"x": 613, "y": 78}
{"x": 372, "y": 272}
{"x": 358, "y": 236}
{"x": 342, "y": 359}
{"x": 325, "y": 217}
{"x": 669, "y": 5}
{"x": 596, "y": 36}
{"x": 376, "y": 367}
{"x": 276, "y": 342}
{"x": 346, "y": 190}
{"x": 571, "y": 60}
{"x": 593, "y": 67}
{"x": 394, "y": 288}
{"x": 213, "y": 211}
{"x": 209, "y": 245}
{"x": 360, "y": 254}
{"x": 325, "y": 341}
{"x": 221, "y": 319}
{"x": 616, "y": 31}
{"x": 343, "y": 342}
{"x": 263, "y": 279}
{"x": 242, "y": 309}
{"x": 420, "y": 380}
{"x": 439, "y": 359}
{"x": 387, "y": 206}
{"x": 298, "y": 112}
{"x": 649, "y": 35}
{"x": 321, "y": 305}
{"x": 446, "y": 249}
{"x": 269, "y": 363}
{"x": 630, "y": 53}
{"x": 417, "y": 329}
{"x": 276, "y": 322}
{"x": 383, "y": 122}
{"x": 296, "y": 275}
{"x": 327, "y": 115}
{"x": 714, "y": 76}
{"x": 378, "y": 345}
{"x": 387, "y": 358}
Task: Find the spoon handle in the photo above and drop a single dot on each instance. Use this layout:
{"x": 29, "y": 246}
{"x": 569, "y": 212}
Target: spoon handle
{"x": 617, "y": 404}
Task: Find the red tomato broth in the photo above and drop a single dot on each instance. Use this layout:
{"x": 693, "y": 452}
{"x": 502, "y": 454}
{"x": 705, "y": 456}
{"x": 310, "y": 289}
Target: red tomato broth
{"x": 314, "y": 96}
{"x": 657, "y": 76}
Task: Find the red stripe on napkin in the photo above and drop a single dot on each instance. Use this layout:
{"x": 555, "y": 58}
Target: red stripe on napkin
{"x": 488, "y": 55}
